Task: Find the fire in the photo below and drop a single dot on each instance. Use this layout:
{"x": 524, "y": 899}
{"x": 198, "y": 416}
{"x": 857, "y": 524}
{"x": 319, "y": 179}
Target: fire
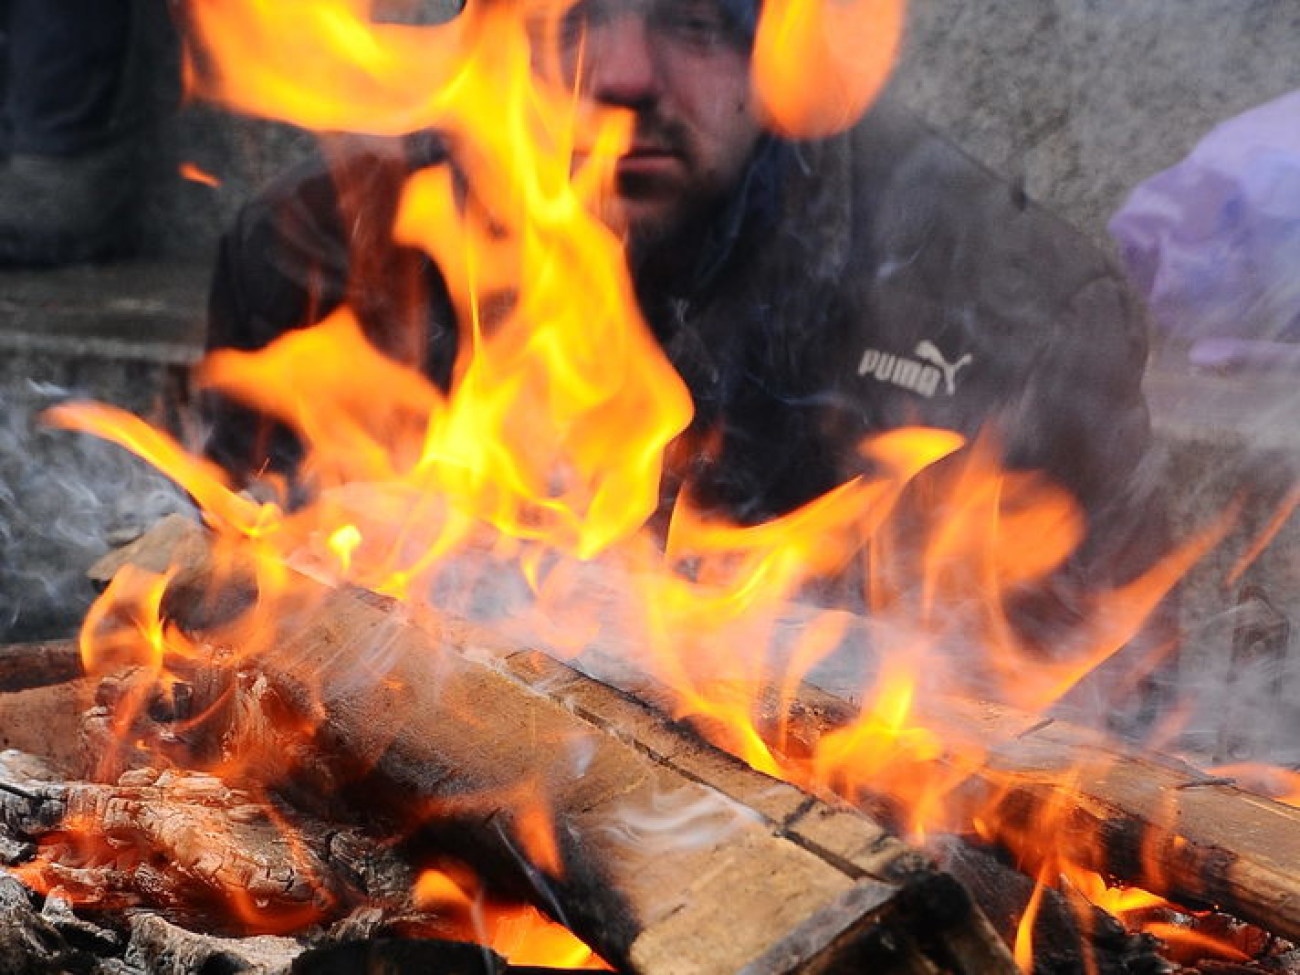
{"x": 818, "y": 66}
{"x": 195, "y": 174}
{"x": 548, "y": 450}
{"x": 520, "y": 933}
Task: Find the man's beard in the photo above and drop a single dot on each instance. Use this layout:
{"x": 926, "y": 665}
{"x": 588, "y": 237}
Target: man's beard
{"x": 653, "y": 208}
{"x": 667, "y": 253}
{"x": 654, "y": 215}
{"x": 663, "y": 217}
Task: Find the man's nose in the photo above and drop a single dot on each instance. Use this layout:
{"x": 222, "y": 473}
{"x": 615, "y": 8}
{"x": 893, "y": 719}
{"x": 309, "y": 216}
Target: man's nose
{"x": 623, "y": 67}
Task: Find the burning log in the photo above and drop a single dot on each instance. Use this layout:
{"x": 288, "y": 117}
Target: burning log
{"x": 1156, "y": 822}
{"x": 757, "y": 873}
{"x": 666, "y": 856}
{"x": 1145, "y": 819}
{"x": 1128, "y": 804}
{"x": 26, "y": 934}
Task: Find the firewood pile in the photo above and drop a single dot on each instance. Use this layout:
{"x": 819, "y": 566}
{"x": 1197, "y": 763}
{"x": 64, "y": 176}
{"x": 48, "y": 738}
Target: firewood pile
{"x": 368, "y": 788}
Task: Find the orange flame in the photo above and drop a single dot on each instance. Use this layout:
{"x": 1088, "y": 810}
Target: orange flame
{"x": 819, "y": 64}
{"x": 322, "y": 64}
{"x": 206, "y": 482}
{"x": 521, "y": 934}
{"x": 193, "y": 173}
{"x": 548, "y": 449}
{"x": 1023, "y": 945}
{"x": 1194, "y": 945}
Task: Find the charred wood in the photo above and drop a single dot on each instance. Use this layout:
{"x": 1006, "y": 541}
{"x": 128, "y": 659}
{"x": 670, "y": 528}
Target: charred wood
{"x": 668, "y": 856}
{"x": 191, "y": 846}
{"x": 1158, "y": 824}
{"x": 158, "y": 947}
{"x": 32, "y": 941}
{"x": 1141, "y": 819}
{"x": 1070, "y": 936}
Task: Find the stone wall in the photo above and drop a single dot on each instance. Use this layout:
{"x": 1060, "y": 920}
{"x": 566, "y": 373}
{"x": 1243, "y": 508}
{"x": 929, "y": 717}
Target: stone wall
{"x": 1083, "y": 99}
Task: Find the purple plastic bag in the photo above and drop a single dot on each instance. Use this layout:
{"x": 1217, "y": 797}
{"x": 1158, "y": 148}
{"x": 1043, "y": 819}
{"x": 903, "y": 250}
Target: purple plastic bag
{"x": 1214, "y": 242}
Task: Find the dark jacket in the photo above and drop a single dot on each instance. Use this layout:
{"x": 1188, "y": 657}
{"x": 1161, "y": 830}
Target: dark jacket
{"x": 852, "y": 285}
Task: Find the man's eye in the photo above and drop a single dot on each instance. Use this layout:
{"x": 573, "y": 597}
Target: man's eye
{"x": 572, "y": 25}
{"x": 700, "y": 24}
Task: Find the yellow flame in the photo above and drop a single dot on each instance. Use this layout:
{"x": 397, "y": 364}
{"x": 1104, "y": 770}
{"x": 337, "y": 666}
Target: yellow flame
{"x": 343, "y": 542}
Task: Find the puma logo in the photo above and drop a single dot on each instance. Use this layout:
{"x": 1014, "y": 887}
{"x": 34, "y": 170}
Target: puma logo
{"x": 921, "y": 377}
{"x": 929, "y": 352}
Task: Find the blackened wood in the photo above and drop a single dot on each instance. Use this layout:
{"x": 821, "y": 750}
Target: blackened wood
{"x": 859, "y": 844}
{"x": 1156, "y": 823}
{"x": 671, "y": 856}
{"x": 413, "y": 955}
{"x": 161, "y": 948}
{"x": 1069, "y": 935}
{"x": 30, "y": 942}
{"x": 193, "y": 847}
{"x": 393, "y": 955}
{"x": 1141, "y": 818}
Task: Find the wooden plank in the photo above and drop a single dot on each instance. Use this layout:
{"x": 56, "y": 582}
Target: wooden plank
{"x": 1148, "y": 820}
{"x": 1155, "y": 822}
{"x": 669, "y": 857}
{"x": 1143, "y": 819}
{"x": 24, "y": 666}
{"x": 658, "y": 867}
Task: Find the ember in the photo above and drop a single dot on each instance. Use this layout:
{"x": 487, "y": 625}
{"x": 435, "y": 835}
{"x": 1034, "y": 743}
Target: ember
{"x": 332, "y": 702}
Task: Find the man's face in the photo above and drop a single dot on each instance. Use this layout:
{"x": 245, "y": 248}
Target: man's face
{"x": 682, "y": 68}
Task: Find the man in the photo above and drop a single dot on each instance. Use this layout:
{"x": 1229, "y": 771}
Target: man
{"x": 809, "y": 293}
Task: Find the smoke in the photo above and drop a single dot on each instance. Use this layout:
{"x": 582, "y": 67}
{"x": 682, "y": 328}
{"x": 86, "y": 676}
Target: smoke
{"x": 1228, "y": 445}
{"x": 1236, "y": 690}
{"x": 673, "y": 821}
{"x": 65, "y": 500}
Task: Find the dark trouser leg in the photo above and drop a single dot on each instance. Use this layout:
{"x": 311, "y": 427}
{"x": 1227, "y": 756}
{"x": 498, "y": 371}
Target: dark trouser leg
{"x": 75, "y": 109}
{"x": 66, "y": 63}
{"x": 5, "y": 136}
